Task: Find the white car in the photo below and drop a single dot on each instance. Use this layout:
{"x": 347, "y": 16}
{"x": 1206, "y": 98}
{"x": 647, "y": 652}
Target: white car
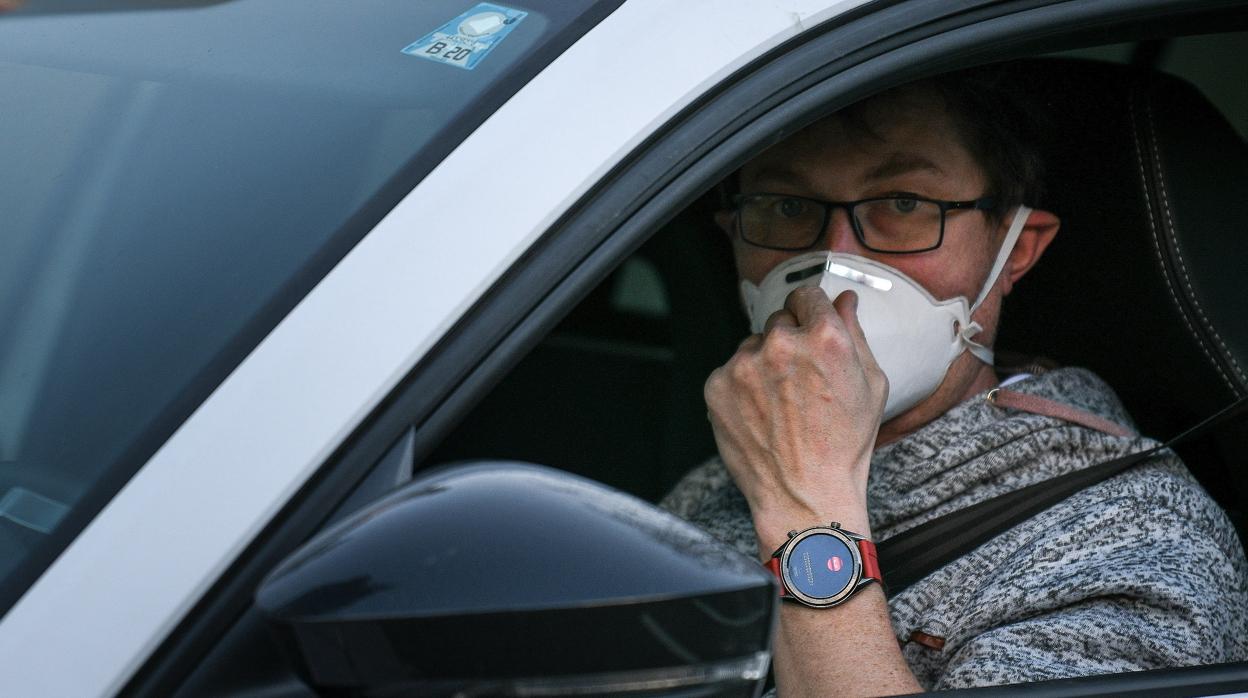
{"x": 263, "y": 260}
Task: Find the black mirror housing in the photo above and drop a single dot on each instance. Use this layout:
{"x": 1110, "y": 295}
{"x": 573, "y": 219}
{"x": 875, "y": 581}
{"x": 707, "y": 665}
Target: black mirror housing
{"x": 502, "y": 578}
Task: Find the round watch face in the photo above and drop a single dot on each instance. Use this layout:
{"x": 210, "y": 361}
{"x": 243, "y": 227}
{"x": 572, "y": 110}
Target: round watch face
{"x": 821, "y": 566}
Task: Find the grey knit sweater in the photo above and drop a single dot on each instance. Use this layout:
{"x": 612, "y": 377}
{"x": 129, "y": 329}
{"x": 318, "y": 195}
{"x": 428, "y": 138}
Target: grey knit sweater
{"x": 1138, "y": 572}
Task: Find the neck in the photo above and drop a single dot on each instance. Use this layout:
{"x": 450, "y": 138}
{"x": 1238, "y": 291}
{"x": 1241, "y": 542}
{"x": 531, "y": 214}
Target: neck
{"x": 967, "y": 377}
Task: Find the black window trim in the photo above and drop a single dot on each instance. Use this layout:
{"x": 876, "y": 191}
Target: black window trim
{"x": 853, "y": 55}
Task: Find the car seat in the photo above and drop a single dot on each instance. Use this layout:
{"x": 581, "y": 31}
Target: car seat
{"x": 1145, "y": 282}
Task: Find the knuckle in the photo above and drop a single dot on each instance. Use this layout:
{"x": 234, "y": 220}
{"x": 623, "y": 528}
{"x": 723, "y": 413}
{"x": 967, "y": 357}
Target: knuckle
{"x": 714, "y": 385}
{"x": 829, "y": 335}
{"x": 779, "y": 349}
{"x": 879, "y": 379}
{"x": 802, "y": 298}
{"x": 741, "y": 371}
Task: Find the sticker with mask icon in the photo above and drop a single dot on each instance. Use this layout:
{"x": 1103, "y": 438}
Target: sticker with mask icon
{"x": 466, "y": 40}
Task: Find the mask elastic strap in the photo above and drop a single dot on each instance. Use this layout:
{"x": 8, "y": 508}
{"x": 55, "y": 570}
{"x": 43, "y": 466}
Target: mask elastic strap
{"x": 749, "y": 296}
{"x": 1007, "y": 246}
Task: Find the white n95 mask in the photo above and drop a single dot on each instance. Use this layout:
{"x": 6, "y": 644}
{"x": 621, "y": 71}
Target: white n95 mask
{"x": 914, "y": 337}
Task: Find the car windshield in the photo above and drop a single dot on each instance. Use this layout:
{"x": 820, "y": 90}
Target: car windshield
{"x": 176, "y": 175}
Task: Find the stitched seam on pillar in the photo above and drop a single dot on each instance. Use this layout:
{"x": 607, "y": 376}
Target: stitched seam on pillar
{"x": 1178, "y": 251}
{"x": 1152, "y": 227}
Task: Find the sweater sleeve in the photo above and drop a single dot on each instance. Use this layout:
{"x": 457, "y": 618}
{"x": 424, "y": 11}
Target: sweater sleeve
{"x": 1137, "y": 574}
{"x": 708, "y": 498}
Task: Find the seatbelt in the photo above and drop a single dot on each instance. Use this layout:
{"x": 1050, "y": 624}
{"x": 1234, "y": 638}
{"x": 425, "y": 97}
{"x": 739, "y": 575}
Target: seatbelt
{"x": 913, "y": 554}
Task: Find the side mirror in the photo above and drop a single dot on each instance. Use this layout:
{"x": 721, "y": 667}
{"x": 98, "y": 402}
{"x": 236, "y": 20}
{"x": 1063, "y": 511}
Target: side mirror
{"x": 499, "y": 578}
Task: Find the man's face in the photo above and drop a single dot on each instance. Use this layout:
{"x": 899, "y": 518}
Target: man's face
{"x": 910, "y": 148}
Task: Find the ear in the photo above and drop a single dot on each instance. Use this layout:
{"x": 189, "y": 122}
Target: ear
{"x": 1039, "y": 230}
{"x": 726, "y": 219}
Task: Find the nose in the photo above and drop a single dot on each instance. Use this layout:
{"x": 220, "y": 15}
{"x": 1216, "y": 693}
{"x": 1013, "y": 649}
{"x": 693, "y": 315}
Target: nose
{"x": 839, "y": 234}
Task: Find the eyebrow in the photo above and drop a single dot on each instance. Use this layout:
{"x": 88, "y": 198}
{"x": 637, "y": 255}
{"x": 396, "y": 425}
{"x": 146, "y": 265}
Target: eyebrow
{"x": 783, "y": 176}
{"x": 901, "y": 163}
{"x": 896, "y": 164}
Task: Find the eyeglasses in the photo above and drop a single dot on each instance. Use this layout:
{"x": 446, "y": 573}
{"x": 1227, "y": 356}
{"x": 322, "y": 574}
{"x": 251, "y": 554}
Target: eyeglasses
{"x": 893, "y": 224}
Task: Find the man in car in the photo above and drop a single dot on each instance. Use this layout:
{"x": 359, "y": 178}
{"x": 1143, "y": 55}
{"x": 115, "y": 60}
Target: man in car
{"x": 819, "y": 418}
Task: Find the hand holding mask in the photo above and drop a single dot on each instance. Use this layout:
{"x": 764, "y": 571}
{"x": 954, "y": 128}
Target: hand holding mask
{"x": 795, "y": 414}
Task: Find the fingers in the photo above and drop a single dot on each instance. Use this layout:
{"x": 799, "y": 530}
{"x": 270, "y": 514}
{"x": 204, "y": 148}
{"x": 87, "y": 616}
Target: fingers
{"x": 846, "y": 307}
{"x": 808, "y": 310}
{"x": 808, "y": 305}
{"x": 835, "y": 321}
{"x": 780, "y": 318}
{"x": 750, "y": 343}
{"x": 819, "y": 317}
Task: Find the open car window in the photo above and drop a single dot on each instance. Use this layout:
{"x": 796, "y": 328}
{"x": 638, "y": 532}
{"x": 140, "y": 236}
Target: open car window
{"x": 620, "y": 378}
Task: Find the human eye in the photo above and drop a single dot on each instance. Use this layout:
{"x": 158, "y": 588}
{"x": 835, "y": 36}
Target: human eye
{"x": 904, "y": 204}
{"x": 789, "y": 207}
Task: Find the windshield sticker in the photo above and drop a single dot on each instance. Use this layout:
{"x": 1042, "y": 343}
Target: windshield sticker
{"x": 464, "y": 41}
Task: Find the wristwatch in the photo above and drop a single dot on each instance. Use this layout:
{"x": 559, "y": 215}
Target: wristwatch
{"x": 824, "y": 566}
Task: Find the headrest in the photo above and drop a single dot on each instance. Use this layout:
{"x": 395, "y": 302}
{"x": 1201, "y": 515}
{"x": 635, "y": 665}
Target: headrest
{"x": 1145, "y": 282}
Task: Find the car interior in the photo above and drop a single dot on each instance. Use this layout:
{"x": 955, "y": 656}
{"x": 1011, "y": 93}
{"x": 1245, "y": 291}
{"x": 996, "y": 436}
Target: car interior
{"x": 1147, "y": 175}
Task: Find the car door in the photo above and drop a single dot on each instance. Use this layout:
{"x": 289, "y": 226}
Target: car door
{"x": 528, "y": 214}
{"x": 251, "y": 447}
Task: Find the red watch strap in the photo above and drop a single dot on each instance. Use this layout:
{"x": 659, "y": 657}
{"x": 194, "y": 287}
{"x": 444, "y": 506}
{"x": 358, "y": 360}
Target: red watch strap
{"x": 870, "y": 562}
{"x": 774, "y": 565}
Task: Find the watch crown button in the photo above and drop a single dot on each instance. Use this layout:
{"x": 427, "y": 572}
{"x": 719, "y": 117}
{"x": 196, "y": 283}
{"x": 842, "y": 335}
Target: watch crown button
{"x": 836, "y": 524}
{"x": 792, "y": 533}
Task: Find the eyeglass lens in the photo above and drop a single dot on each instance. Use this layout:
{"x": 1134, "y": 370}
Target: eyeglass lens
{"x": 886, "y": 225}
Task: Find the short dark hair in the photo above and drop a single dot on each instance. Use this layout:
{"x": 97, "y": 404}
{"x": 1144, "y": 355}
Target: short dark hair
{"x": 996, "y": 120}
{"x": 997, "y": 123}
{"x": 1002, "y": 127}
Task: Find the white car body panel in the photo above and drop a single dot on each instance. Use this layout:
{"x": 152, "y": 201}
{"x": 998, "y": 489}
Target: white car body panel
{"x": 99, "y": 611}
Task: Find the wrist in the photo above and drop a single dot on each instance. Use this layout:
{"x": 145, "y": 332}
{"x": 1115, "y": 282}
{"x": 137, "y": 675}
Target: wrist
{"x": 773, "y": 529}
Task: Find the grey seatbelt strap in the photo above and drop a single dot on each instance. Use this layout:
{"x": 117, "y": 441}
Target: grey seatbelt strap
{"x": 911, "y": 555}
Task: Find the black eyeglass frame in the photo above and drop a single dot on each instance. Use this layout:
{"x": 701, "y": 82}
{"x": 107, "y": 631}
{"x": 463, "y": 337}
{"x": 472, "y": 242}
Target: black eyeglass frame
{"x": 984, "y": 203}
